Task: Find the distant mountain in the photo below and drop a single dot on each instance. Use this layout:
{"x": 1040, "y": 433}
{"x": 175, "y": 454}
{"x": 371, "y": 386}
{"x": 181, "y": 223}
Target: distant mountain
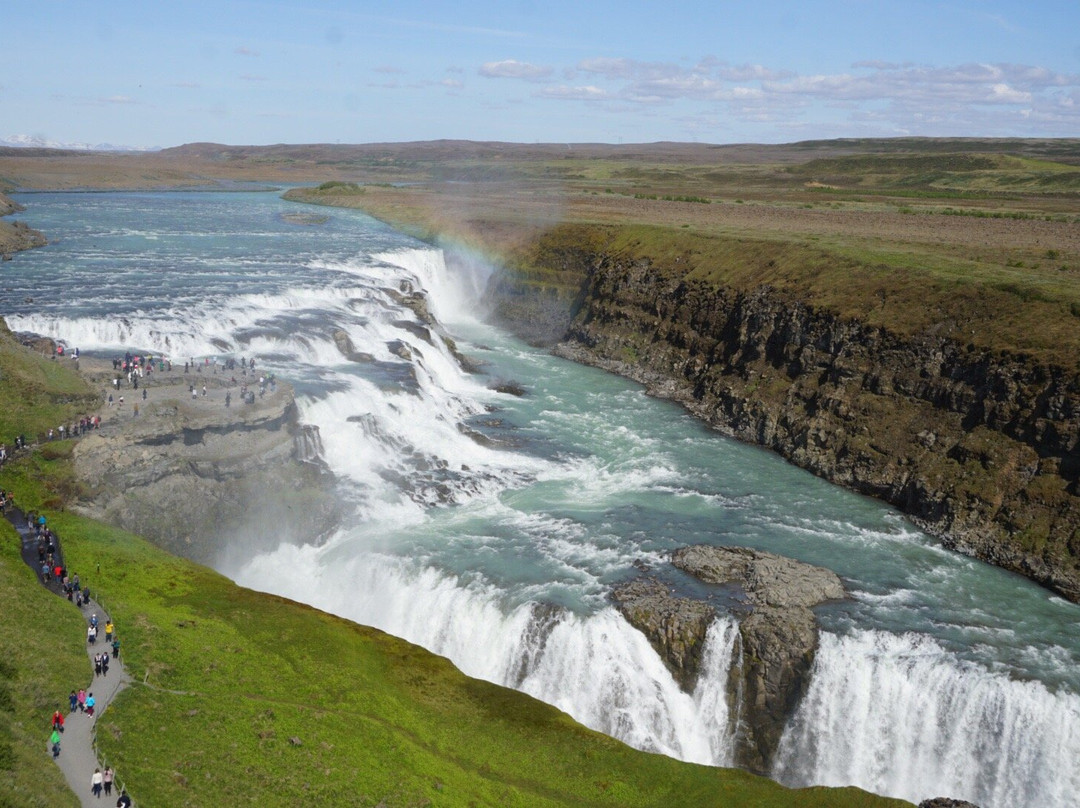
{"x": 41, "y": 142}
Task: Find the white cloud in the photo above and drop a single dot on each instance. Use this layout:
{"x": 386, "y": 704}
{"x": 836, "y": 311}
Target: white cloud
{"x": 1006, "y": 94}
{"x": 872, "y": 96}
{"x": 453, "y": 84}
{"x": 242, "y": 51}
{"x": 612, "y": 68}
{"x": 630, "y": 69}
{"x": 744, "y": 73}
{"x": 586, "y": 93}
{"x": 513, "y": 69}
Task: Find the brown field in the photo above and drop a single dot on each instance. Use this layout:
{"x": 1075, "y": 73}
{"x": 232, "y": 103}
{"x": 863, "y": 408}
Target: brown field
{"x": 978, "y": 236}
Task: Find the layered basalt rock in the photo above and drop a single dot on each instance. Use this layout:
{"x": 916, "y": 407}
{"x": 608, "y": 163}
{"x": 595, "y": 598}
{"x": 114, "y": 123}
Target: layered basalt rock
{"x": 208, "y": 482}
{"x": 979, "y": 448}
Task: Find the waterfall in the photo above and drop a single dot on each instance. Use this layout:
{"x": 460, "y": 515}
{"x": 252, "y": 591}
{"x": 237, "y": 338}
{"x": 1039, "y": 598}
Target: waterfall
{"x": 597, "y": 667}
{"x": 899, "y": 715}
{"x": 309, "y": 448}
{"x": 490, "y": 528}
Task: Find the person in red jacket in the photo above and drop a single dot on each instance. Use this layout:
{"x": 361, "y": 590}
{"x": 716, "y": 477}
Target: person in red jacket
{"x": 58, "y": 721}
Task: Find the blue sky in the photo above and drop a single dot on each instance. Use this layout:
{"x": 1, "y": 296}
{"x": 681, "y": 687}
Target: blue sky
{"x": 161, "y": 74}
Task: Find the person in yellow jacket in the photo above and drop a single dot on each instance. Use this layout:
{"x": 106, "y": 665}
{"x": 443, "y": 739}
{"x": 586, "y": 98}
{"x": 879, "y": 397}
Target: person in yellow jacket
{"x": 108, "y": 630}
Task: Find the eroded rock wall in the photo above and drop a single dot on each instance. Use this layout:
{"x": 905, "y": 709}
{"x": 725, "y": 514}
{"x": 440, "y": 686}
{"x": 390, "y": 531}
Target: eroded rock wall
{"x": 210, "y": 483}
{"x": 980, "y": 448}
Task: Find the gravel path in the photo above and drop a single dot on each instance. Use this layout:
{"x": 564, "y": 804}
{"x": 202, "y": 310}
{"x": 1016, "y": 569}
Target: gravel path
{"x": 78, "y": 758}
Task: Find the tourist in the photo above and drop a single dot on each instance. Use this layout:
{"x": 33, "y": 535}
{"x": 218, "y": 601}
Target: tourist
{"x": 58, "y": 720}
{"x": 107, "y": 780}
{"x": 54, "y": 739}
{"x": 97, "y": 781}
{"x": 108, "y": 630}
{"x": 115, "y": 648}
{"x": 124, "y": 801}
{"x": 90, "y": 702}
{"x": 73, "y": 700}
{"x": 81, "y": 698}
{"x": 97, "y": 664}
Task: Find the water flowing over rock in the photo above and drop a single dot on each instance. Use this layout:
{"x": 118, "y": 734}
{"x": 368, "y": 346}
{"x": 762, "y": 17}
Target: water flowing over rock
{"x": 348, "y": 350}
{"x": 675, "y": 626}
{"x": 779, "y": 634}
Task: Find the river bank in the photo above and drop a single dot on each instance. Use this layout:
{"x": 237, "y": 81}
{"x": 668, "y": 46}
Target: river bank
{"x": 16, "y": 236}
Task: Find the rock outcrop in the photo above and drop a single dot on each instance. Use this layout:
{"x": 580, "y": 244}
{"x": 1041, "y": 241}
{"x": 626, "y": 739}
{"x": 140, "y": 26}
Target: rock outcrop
{"x": 9, "y": 206}
{"x": 675, "y": 626}
{"x": 777, "y": 631}
{"x": 15, "y": 236}
{"x": 206, "y": 481}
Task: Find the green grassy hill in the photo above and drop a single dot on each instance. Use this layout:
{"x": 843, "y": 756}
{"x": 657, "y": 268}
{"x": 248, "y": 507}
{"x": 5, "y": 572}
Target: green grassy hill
{"x": 244, "y": 698}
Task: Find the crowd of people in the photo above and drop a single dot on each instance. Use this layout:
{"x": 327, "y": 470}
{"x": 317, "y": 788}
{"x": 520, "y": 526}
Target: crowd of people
{"x": 81, "y": 701}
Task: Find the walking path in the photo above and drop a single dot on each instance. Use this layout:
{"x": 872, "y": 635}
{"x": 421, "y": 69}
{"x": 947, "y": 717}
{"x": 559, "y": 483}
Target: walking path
{"x": 78, "y": 757}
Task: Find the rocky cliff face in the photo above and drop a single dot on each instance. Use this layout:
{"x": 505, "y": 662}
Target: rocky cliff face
{"x": 8, "y": 206}
{"x": 981, "y": 449}
{"x": 207, "y": 482}
{"x": 778, "y": 635}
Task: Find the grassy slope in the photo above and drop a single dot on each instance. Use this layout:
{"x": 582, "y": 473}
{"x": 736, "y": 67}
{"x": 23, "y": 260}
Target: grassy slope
{"x": 226, "y": 677}
{"x": 42, "y": 646}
